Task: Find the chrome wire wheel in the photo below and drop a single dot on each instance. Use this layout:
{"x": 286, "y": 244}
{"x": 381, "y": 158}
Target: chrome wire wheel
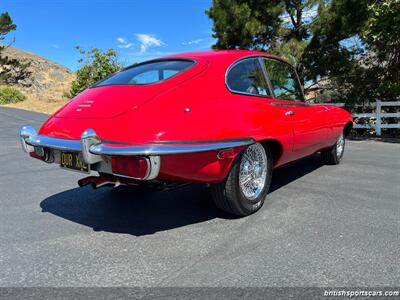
{"x": 340, "y": 145}
{"x": 253, "y": 171}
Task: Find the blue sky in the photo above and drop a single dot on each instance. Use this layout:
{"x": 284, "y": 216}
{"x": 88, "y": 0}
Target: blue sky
{"x": 137, "y": 29}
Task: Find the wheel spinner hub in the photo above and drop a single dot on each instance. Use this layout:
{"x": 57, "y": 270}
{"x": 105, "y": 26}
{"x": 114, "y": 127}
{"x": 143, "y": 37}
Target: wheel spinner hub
{"x": 253, "y": 171}
{"x": 340, "y": 145}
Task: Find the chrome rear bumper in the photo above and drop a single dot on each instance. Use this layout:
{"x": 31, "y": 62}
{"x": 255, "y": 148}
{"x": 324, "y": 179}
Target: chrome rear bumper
{"x": 93, "y": 148}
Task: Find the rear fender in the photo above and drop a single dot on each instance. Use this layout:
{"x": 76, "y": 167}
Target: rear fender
{"x": 197, "y": 167}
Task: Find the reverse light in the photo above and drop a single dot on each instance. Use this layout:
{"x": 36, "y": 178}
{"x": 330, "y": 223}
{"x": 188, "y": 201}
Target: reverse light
{"x": 134, "y": 167}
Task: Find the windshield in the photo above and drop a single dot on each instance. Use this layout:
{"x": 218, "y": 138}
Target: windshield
{"x": 146, "y": 73}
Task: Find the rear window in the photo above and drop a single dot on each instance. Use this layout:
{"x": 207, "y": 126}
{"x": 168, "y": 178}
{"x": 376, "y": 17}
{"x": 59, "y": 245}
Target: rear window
{"x": 146, "y": 73}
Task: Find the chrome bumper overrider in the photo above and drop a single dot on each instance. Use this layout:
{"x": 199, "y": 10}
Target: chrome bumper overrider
{"x": 93, "y": 148}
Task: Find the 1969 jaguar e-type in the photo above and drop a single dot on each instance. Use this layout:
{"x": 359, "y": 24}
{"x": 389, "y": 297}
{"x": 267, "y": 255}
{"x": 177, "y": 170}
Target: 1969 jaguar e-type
{"x": 226, "y": 118}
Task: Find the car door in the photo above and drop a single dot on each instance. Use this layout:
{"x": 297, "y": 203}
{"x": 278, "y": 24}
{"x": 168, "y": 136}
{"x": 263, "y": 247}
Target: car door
{"x": 246, "y": 78}
{"x": 309, "y": 122}
{"x": 310, "y": 129}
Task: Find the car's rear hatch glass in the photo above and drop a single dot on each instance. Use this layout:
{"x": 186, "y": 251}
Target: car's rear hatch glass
{"x": 148, "y": 73}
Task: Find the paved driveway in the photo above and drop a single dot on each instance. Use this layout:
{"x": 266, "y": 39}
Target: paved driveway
{"x": 320, "y": 226}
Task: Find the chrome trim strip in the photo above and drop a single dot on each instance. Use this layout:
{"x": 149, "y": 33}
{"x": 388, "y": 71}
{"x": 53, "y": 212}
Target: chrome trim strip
{"x": 194, "y": 142}
{"x": 93, "y": 149}
{"x": 54, "y": 143}
{"x": 91, "y": 145}
{"x": 126, "y": 150}
{"x": 297, "y": 104}
{"x": 166, "y": 149}
{"x": 266, "y": 76}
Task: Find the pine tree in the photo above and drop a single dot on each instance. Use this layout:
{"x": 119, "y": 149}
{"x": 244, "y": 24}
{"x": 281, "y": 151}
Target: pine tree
{"x": 352, "y": 44}
{"x": 281, "y": 27}
{"x": 11, "y": 69}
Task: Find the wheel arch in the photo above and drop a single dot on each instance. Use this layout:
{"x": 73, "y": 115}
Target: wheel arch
{"x": 276, "y": 148}
{"x": 347, "y": 128}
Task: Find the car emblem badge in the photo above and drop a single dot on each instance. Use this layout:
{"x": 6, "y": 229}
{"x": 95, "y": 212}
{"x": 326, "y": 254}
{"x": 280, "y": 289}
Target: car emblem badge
{"x": 85, "y": 104}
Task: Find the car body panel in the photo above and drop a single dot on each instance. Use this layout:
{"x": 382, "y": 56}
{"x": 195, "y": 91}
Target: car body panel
{"x": 195, "y": 107}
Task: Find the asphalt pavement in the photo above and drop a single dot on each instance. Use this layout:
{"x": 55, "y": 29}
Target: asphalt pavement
{"x": 320, "y": 226}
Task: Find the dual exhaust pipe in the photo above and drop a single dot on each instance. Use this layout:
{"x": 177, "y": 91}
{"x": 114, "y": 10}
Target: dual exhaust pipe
{"x": 100, "y": 181}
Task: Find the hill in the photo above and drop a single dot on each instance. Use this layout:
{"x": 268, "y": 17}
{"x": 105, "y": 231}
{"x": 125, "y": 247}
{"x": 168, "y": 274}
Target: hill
{"x": 45, "y": 88}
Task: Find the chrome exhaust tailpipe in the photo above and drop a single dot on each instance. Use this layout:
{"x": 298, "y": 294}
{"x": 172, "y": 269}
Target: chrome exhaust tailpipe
{"x": 97, "y": 182}
{"x": 104, "y": 180}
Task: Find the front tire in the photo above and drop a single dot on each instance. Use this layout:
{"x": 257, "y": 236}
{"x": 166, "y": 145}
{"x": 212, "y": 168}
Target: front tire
{"x": 248, "y": 182}
{"x": 333, "y": 156}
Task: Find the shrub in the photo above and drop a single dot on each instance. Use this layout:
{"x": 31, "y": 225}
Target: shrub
{"x": 96, "y": 64}
{"x": 10, "y": 95}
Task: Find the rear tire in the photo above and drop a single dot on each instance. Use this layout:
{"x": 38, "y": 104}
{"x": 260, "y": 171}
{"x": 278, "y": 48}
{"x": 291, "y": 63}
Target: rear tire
{"x": 244, "y": 190}
{"x": 333, "y": 156}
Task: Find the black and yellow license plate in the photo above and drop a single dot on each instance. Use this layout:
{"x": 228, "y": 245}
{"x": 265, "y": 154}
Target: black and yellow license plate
{"x": 72, "y": 161}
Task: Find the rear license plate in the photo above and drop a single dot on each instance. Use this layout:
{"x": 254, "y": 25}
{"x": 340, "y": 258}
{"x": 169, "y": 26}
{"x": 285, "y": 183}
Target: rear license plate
{"x": 72, "y": 161}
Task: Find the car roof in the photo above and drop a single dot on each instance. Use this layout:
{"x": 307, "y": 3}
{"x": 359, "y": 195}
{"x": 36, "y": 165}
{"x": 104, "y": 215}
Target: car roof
{"x": 228, "y": 55}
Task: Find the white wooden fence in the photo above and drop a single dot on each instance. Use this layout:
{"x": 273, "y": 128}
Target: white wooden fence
{"x": 378, "y": 115}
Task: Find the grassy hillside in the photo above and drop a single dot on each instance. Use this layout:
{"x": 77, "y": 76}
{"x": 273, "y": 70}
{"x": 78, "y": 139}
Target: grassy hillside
{"x": 45, "y": 88}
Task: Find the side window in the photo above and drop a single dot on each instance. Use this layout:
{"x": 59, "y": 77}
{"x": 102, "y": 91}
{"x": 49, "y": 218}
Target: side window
{"x": 247, "y": 77}
{"x": 283, "y": 80}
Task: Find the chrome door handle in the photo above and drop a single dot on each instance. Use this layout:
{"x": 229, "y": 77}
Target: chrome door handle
{"x": 289, "y": 113}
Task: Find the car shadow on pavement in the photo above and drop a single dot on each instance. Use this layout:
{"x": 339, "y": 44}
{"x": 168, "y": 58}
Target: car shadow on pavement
{"x": 133, "y": 210}
{"x": 291, "y": 172}
{"x": 138, "y": 211}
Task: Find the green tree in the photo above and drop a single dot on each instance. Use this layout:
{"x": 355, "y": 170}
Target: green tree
{"x": 335, "y": 52}
{"x": 330, "y": 51}
{"x": 282, "y": 27}
{"x": 11, "y": 70}
{"x": 317, "y": 37}
{"x": 382, "y": 36}
{"x": 360, "y": 73}
{"x": 95, "y": 65}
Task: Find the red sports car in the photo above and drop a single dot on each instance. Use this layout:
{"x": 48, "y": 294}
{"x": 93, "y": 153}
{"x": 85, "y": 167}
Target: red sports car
{"x": 226, "y": 118}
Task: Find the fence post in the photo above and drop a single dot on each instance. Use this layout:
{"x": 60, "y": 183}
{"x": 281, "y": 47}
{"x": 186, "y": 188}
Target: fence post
{"x": 378, "y": 127}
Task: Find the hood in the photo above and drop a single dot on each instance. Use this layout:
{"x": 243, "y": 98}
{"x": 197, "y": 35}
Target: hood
{"x": 112, "y": 100}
